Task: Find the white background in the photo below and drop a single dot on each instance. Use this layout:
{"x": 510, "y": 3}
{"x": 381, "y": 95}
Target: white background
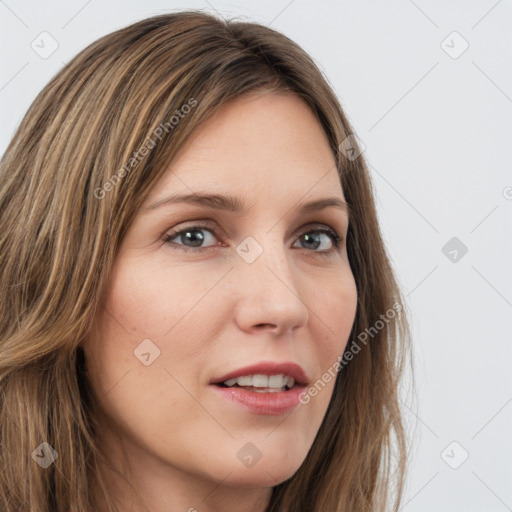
{"x": 438, "y": 136}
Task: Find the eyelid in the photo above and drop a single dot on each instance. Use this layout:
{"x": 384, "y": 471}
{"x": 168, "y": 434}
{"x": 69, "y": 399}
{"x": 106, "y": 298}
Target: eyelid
{"x": 336, "y": 223}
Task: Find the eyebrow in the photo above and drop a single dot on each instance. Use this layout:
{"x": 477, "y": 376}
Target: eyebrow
{"x": 235, "y": 205}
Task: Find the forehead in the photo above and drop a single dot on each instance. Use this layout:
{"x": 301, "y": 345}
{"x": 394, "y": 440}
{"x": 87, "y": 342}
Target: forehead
{"x": 264, "y": 144}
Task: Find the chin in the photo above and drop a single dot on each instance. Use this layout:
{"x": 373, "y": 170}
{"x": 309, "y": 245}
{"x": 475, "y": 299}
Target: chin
{"x": 257, "y": 479}
{"x": 267, "y": 472}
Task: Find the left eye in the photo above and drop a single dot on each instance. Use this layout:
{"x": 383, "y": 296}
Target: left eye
{"x": 193, "y": 235}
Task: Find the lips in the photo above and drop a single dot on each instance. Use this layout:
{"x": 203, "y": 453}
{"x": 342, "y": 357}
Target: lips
{"x": 267, "y": 368}
{"x": 261, "y": 401}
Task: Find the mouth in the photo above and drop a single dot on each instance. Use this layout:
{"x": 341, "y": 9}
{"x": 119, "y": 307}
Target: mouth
{"x": 265, "y": 388}
{"x": 265, "y": 375}
{"x": 259, "y": 383}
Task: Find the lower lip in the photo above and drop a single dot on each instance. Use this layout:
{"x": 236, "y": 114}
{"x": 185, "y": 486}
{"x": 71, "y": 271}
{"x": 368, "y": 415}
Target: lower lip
{"x": 280, "y": 402}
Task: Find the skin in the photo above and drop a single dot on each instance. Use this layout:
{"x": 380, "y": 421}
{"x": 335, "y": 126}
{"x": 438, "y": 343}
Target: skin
{"x": 210, "y": 312}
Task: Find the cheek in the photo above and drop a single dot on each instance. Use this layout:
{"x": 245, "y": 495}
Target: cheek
{"x": 147, "y": 301}
{"x": 151, "y": 300}
{"x": 333, "y": 310}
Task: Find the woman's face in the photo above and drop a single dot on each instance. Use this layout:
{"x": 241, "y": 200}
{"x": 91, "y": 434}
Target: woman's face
{"x": 200, "y": 291}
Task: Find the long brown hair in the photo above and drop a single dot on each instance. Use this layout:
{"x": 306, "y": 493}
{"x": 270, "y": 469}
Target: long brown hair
{"x": 72, "y": 180}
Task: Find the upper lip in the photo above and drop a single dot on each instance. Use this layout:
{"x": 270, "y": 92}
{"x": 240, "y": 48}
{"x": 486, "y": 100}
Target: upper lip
{"x": 267, "y": 368}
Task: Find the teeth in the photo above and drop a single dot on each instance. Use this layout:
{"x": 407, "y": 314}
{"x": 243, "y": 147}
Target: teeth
{"x": 244, "y": 381}
{"x": 262, "y": 381}
{"x": 276, "y": 381}
{"x": 290, "y": 382}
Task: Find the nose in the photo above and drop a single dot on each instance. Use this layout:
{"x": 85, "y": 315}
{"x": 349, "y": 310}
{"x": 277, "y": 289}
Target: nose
{"x": 268, "y": 293}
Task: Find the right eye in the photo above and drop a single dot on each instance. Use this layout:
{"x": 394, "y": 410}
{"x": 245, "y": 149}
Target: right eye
{"x": 189, "y": 235}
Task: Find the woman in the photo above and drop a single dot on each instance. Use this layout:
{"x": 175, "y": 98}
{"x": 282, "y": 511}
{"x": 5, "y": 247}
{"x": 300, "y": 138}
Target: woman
{"x": 197, "y": 311}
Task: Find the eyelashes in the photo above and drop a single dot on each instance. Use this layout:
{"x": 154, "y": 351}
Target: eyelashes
{"x": 314, "y": 236}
